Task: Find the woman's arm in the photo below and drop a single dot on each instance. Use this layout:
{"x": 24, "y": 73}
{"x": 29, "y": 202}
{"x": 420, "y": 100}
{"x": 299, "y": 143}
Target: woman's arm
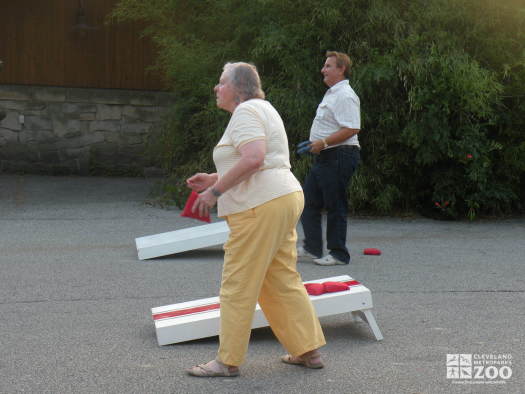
{"x": 252, "y": 158}
{"x": 201, "y": 181}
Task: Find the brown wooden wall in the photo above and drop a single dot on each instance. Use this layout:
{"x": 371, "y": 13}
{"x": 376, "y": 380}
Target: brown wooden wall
{"x": 40, "y": 46}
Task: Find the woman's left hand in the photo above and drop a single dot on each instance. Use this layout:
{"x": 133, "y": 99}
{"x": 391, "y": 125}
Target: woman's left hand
{"x": 204, "y": 203}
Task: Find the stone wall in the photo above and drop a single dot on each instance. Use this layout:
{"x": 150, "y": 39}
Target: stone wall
{"x": 53, "y": 130}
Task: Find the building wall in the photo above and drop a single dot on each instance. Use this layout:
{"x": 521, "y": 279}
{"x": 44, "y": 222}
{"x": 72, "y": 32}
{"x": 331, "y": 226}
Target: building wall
{"x": 57, "y": 130}
{"x": 69, "y": 43}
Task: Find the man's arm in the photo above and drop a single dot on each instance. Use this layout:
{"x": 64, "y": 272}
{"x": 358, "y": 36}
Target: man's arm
{"x": 333, "y": 139}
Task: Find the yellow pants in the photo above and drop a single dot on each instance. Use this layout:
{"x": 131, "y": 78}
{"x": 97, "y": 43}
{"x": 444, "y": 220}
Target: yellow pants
{"x": 260, "y": 266}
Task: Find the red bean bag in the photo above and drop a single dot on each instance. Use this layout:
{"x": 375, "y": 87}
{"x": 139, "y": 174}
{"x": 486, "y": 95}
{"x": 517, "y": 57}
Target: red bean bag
{"x": 326, "y": 287}
{"x": 186, "y": 212}
{"x": 314, "y": 288}
{"x": 332, "y": 287}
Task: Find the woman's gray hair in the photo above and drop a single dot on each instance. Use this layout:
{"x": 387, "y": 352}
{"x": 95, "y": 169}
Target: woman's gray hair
{"x": 245, "y": 80}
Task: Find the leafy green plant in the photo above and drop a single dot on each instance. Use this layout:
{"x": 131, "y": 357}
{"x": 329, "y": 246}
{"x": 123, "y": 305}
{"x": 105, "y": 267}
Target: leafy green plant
{"x": 441, "y": 84}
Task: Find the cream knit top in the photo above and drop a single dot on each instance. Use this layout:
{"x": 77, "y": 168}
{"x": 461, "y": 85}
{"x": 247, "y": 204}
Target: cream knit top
{"x": 255, "y": 119}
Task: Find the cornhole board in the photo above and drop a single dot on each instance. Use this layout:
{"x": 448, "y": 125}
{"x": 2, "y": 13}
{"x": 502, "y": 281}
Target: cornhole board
{"x": 182, "y": 240}
{"x": 197, "y": 319}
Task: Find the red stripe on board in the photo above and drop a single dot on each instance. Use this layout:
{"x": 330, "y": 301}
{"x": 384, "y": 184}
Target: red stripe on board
{"x": 211, "y": 307}
{"x": 189, "y": 311}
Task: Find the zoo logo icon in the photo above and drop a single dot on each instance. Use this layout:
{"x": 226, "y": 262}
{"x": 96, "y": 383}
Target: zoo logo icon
{"x": 479, "y": 368}
{"x": 459, "y": 366}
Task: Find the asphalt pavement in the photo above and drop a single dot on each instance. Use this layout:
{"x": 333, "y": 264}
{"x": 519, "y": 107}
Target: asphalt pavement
{"x": 75, "y": 301}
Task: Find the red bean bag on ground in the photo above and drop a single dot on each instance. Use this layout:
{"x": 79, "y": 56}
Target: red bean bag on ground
{"x": 372, "y": 251}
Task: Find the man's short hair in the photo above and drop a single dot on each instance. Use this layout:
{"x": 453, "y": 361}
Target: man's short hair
{"x": 341, "y": 60}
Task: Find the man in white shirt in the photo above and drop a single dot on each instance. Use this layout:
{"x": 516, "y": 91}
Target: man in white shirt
{"x": 334, "y": 142}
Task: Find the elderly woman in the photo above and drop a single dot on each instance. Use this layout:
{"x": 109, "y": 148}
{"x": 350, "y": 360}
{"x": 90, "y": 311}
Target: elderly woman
{"x": 262, "y": 201}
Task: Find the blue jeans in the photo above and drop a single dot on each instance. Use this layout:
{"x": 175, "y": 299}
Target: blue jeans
{"x": 325, "y": 187}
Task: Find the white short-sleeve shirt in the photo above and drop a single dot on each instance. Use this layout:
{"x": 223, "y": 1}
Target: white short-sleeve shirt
{"x": 339, "y": 108}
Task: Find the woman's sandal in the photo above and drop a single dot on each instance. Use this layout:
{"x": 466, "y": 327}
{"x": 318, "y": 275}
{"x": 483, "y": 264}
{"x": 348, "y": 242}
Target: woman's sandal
{"x": 311, "y": 361}
{"x": 213, "y": 368}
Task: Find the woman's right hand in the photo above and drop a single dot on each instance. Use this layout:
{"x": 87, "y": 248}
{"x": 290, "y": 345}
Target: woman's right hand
{"x": 200, "y": 181}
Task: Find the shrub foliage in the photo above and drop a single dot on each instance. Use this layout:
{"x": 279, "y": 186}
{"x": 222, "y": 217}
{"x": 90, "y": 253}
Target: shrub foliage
{"x": 441, "y": 84}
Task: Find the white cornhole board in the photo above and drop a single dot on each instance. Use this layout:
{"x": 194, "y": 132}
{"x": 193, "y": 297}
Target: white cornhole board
{"x": 200, "y": 318}
{"x": 182, "y": 240}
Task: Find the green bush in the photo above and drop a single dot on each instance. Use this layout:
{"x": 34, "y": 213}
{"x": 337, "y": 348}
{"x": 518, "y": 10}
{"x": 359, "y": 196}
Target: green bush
{"x": 441, "y": 84}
